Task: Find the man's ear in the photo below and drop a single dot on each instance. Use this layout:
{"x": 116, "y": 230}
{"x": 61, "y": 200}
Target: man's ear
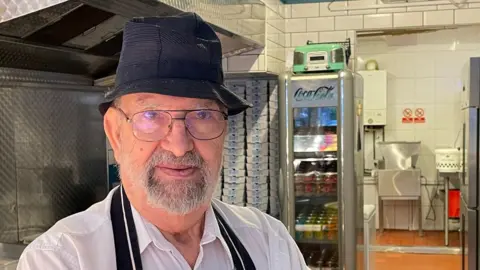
{"x": 112, "y": 125}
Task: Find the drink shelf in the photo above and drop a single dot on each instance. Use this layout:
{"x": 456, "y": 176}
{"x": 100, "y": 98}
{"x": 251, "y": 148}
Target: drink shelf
{"x": 316, "y": 200}
{"x": 310, "y": 154}
{"x": 316, "y": 159}
{"x": 316, "y": 242}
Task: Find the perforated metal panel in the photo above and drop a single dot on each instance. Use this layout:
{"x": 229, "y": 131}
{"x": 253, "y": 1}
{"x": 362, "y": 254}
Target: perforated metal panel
{"x": 52, "y": 155}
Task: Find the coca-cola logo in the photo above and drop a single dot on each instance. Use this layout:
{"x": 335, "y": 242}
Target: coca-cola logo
{"x": 321, "y": 93}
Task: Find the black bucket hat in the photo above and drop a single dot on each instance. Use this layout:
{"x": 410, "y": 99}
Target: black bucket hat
{"x": 177, "y": 55}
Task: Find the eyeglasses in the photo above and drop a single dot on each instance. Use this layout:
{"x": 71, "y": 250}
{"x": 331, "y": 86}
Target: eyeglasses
{"x": 154, "y": 125}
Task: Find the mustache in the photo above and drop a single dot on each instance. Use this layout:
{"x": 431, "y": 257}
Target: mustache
{"x": 190, "y": 159}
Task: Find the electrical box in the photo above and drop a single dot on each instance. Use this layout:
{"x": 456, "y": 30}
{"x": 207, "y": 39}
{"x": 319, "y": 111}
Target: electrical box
{"x": 374, "y": 97}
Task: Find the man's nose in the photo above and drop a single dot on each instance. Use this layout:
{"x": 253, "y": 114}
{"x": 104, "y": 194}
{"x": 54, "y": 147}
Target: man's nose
{"x": 178, "y": 141}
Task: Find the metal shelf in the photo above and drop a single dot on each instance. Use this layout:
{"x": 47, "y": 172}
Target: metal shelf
{"x": 317, "y": 242}
{"x": 316, "y": 199}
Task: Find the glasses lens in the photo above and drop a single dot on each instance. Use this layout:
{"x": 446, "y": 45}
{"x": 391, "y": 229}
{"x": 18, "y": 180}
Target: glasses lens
{"x": 151, "y": 125}
{"x": 205, "y": 124}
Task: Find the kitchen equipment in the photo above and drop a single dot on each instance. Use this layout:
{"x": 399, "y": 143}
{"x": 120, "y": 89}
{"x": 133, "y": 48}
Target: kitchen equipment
{"x": 448, "y": 160}
{"x": 52, "y": 150}
{"x": 399, "y": 179}
{"x": 375, "y": 97}
{"x": 318, "y": 57}
{"x": 321, "y": 160}
{"x": 469, "y": 175}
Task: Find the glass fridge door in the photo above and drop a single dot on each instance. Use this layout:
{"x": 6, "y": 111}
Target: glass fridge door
{"x": 315, "y": 179}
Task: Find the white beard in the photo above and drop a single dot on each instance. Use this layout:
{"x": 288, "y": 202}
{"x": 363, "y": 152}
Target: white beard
{"x": 177, "y": 197}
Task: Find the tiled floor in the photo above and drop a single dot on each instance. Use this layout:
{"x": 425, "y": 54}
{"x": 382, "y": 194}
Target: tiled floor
{"x": 411, "y": 238}
{"x": 397, "y": 261}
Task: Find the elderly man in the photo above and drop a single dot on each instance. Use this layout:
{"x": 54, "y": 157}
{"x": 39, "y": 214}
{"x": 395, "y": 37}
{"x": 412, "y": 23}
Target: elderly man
{"x": 166, "y": 120}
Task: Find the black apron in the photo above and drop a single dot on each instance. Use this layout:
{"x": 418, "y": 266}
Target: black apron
{"x": 241, "y": 258}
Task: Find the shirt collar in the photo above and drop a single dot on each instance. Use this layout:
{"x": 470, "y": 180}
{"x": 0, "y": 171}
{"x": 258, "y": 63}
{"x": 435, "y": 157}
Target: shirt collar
{"x": 147, "y": 233}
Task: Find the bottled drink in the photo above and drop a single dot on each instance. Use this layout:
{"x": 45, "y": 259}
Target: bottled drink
{"x": 322, "y": 259}
{"x": 308, "y": 233}
{"x": 299, "y": 228}
{"x": 317, "y": 229}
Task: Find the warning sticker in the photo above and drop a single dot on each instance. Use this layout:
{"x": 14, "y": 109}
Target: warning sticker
{"x": 419, "y": 116}
{"x": 407, "y": 116}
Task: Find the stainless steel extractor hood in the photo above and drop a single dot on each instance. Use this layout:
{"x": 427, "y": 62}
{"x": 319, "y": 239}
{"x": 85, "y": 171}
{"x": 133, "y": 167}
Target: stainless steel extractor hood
{"x": 85, "y": 36}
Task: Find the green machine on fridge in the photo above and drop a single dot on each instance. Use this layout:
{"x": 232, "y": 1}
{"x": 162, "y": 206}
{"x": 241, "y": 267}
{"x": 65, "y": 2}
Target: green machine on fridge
{"x": 321, "y": 177}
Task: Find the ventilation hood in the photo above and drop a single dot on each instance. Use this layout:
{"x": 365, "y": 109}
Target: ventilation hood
{"x": 85, "y": 36}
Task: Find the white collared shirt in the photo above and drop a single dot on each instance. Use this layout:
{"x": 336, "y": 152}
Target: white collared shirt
{"x": 85, "y": 241}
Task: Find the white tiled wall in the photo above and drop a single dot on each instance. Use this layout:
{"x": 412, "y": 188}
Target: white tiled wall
{"x": 272, "y": 57}
{"x": 424, "y": 72}
{"x": 290, "y": 25}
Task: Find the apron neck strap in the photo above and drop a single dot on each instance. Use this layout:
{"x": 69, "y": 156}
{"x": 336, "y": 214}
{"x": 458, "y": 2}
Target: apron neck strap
{"x": 128, "y": 252}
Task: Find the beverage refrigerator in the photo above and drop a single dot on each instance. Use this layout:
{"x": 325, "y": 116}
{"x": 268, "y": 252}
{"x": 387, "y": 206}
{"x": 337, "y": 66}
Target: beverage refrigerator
{"x": 470, "y": 172}
{"x": 321, "y": 160}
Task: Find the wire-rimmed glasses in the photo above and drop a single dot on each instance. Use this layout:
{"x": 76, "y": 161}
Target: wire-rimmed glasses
{"x": 154, "y": 125}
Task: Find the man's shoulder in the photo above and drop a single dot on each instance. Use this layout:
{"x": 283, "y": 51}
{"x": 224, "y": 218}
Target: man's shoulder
{"x": 247, "y": 217}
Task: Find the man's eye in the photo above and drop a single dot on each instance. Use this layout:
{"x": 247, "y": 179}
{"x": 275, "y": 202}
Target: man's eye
{"x": 150, "y": 115}
{"x": 203, "y": 115}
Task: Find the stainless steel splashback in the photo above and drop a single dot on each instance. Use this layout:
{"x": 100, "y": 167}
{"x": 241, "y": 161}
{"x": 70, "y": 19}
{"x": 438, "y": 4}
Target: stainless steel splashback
{"x": 399, "y": 155}
{"x": 52, "y": 151}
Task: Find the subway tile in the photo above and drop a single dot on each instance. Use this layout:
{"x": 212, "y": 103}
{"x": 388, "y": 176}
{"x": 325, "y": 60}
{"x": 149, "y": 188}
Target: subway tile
{"x": 332, "y": 36}
{"x": 409, "y": 19}
{"x": 394, "y": 120}
{"x": 447, "y": 91}
{"x": 392, "y": 10}
{"x": 474, "y": 5}
{"x": 429, "y": 114}
{"x": 320, "y": 24}
{"x": 400, "y": 135}
{"x": 305, "y": 10}
{"x": 415, "y": 213}
{"x": 349, "y": 22}
{"x": 289, "y": 57}
{"x": 286, "y": 11}
{"x": 440, "y": 218}
{"x": 446, "y": 7}
{"x": 427, "y": 164}
{"x": 300, "y": 39}
{"x": 401, "y": 91}
{"x": 295, "y": 25}
{"x": 261, "y": 62}
{"x": 378, "y": 21}
{"x": 467, "y": 16}
{"x": 402, "y": 215}
{"x": 288, "y": 40}
{"x": 427, "y": 221}
{"x": 424, "y": 90}
{"x": 362, "y": 11}
{"x": 352, "y": 35}
{"x": 421, "y": 8}
{"x": 389, "y": 215}
{"x": 361, "y": 4}
{"x": 447, "y": 138}
{"x": 333, "y": 8}
{"x": 424, "y": 65}
{"x": 439, "y": 17}
{"x": 446, "y": 116}
{"x": 427, "y": 146}
{"x": 275, "y": 50}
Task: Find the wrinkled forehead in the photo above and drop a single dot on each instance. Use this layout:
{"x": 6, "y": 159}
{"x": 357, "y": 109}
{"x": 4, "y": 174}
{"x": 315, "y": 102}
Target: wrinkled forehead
{"x": 165, "y": 102}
